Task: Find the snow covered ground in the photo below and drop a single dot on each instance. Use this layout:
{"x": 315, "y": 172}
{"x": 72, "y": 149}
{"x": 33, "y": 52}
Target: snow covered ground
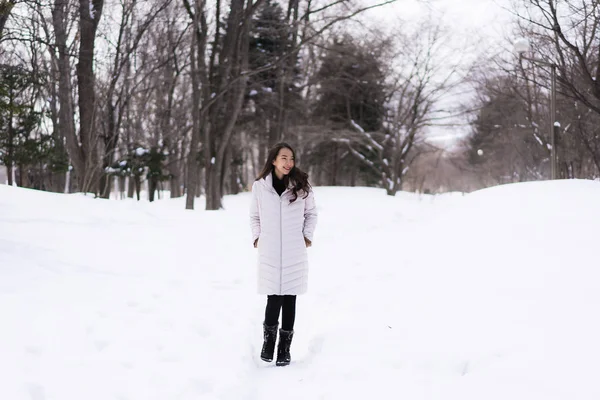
{"x": 492, "y": 295}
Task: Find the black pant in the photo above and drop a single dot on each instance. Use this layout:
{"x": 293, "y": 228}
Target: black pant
{"x": 276, "y": 303}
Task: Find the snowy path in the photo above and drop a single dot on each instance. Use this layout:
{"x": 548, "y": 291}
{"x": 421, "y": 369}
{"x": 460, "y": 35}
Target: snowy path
{"x": 117, "y": 300}
{"x": 155, "y": 303}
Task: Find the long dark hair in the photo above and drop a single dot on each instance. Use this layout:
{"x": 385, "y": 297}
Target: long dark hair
{"x": 296, "y": 177}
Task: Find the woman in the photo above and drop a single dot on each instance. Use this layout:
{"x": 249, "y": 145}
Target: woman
{"x": 283, "y": 217}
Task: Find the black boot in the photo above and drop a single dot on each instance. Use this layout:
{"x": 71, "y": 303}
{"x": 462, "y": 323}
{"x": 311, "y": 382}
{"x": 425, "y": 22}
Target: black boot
{"x": 283, "y": 350}
{"x": 270, "y": 335}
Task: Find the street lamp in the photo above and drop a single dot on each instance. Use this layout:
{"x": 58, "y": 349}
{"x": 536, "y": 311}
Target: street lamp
{"x": 522, "y": 46}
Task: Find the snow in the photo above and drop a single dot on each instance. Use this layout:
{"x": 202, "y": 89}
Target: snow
{"x": 557, "y": 124}
{"x": 522, "y": 45}
{"x": 390, "y": 184}
{"x": 140, "y": 151}
{"x": 92, "y": 10}
{"x": 253, "y": 92}
{"x": 490, "y": 295}
{"x": 357, "y": 126}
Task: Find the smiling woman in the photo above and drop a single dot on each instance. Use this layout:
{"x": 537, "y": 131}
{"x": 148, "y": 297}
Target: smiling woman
{"x": 283, "y": 163}
{"x": 283, "y": 217}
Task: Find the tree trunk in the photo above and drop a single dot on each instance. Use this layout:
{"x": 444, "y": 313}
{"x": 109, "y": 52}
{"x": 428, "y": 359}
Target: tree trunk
{"x": 334, "y": 168}
{"x": 197, "y": 63}
{"x": 130, "y": 187}
{"x": 137, "y": 184}
{"x": 218, "y": 173}
{"x": 66, "y": 121}
{"x": 286, "y": 70}
{"x": 234, "y": 61}
{"x": 57, "y": 180}
{"x": 166, "y": 124}
{"x": 110, "y": 145}
{"x": 152, "y": 187}
{"x": 121, "y": 184}
{"x": 90, "y": 12}
{"x": 10, "y": 163}
{"x": 5, "y": 9}
{"x": 22, "y": 172}
{"x": 175, "y": 185}
{"x": 9, "y": 173}
{"x": 199, "y": 75}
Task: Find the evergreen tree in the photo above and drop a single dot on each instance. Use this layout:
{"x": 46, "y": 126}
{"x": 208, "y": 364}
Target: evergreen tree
{"x": 22, "y": 145}
{"x": 273, "y": 93}
{"x": 352, "y": 85}
{"x": 155, "y": 160}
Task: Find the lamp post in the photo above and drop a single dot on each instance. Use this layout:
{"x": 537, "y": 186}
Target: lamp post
{"x": 522, "y": 46}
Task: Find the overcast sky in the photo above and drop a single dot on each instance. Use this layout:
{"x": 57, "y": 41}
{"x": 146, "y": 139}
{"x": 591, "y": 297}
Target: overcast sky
{"x": 483, "y": 17}
{"x": 477, "y": 26}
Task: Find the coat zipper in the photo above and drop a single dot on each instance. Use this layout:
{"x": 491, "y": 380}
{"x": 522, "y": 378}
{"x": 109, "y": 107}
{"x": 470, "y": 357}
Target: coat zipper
{"x": 280, "y": 246}
{"x": 280, "y": 238}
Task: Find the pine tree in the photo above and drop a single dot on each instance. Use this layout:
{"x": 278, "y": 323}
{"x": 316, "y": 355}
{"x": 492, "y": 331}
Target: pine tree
{"x": 22, "y": 146}
{"x": 351, "y": 85}
{"x": 267, "y": 90}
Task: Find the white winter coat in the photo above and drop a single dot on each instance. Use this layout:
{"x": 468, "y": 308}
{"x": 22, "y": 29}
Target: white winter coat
{"x": 281, "y": 227}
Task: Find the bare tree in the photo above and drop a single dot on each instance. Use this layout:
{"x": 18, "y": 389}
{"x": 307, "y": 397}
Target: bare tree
{"x": 224, "y": 87}
{"x": 6, "y": 7}
{"x": 199, "y": 73}
{"x": 130, "y": 34}
{"x": 172, "y": 122}
{"x": 566, "y": 34}
{"x": 60, "y": 52}
{"x": 426, "y": 74}
{"x": 133, "y": 97}
{"x": 90, "y": 12}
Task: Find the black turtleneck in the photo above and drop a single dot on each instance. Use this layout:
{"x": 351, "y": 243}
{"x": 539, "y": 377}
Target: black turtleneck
{"x": 278, "y": 184}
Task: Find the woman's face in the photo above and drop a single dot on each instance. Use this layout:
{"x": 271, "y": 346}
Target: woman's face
{"x": 284, "y": 162}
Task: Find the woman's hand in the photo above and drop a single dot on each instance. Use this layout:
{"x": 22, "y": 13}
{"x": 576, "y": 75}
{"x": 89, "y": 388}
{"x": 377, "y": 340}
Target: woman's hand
{"x": 307, "y": 242}
{"x": 256, "y": 243}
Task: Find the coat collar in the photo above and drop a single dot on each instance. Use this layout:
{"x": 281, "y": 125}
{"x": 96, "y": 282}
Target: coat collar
{"x": 268, "y": 182}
